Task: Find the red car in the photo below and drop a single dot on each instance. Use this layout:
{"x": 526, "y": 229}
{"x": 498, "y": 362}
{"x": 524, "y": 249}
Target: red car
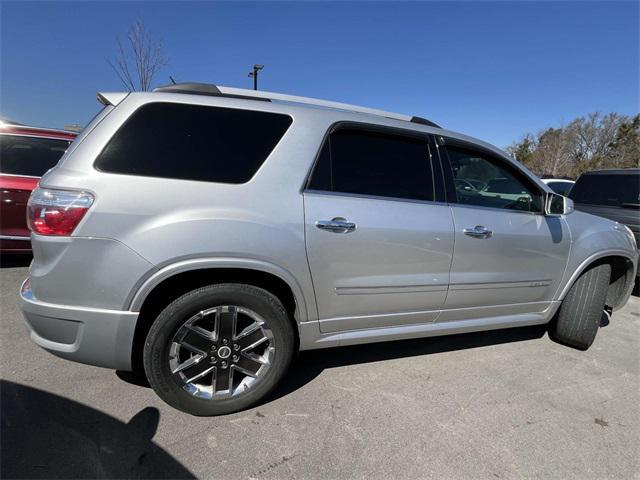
{"x": 26, "y": 153}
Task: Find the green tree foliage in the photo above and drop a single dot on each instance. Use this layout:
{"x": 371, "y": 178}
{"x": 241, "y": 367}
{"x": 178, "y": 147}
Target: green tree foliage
{"x": 594, "y": 141}
{"x": 523, "y": 150}
{"x": 627, "y": 143}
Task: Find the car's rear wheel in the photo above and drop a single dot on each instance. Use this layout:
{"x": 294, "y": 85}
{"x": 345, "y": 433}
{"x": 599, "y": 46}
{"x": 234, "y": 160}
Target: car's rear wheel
{"x": 581, "y": 311}
{"x": 218, "y": 349}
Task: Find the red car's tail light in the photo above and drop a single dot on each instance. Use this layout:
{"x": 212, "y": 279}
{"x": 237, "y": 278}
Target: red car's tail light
{"x": 56, "y": 212}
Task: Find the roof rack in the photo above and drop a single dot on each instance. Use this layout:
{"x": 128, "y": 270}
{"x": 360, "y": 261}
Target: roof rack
{"x": 220, "y": 91}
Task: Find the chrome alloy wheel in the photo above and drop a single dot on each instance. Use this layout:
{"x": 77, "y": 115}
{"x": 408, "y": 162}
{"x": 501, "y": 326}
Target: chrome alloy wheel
{"x": 221, "y": 352}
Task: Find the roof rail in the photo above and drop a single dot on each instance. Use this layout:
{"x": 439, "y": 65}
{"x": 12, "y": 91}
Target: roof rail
{"x": 220, "y": 91}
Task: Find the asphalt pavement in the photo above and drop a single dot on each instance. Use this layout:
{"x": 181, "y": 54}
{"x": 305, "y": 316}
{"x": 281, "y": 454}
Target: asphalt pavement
{"x": 502, "y": 404}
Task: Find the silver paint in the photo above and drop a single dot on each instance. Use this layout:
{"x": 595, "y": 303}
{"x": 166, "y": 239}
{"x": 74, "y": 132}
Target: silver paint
{"x": 406, "y": 269}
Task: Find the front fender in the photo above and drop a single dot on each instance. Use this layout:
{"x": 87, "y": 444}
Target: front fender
{"x": 589, "y": 260}
{"x": 594, "y": 238}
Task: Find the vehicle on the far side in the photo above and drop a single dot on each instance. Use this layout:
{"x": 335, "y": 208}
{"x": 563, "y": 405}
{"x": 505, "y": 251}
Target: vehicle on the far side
{"x": 612, "y": 194}
{"x": 203, "y": 235}
{"x": 559, "y": 185}
{"x": 26, "y": 153}
{"x": 499, "y": 188}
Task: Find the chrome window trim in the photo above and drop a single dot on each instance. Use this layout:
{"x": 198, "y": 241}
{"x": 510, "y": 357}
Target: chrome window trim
{"x": 494, "y": 209}
{"x": 15, "y": 237}
{"x": 48, "y": 137}
{"x": 17, "y": 175}
{"x": 373, "y": 197}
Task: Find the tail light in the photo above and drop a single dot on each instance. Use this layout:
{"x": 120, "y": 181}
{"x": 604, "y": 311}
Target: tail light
{"x": 56, "y": 212}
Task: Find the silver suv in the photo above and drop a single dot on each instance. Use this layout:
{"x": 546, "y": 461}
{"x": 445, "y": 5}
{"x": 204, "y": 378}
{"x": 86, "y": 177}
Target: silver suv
{"x": 205, "y": 234}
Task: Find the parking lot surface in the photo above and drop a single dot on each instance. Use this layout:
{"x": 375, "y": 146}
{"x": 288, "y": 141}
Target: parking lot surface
{"x": 504, "y": 404}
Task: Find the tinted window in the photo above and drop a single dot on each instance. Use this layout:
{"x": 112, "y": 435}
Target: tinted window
{"x": 482, "y": 180}
{"x": 611, "y": 190}
{"x": 368, "y": 163}
{"x": 563, "y": 188}
{"x": 29, "y": 156}
{"x": 193, "y": 142}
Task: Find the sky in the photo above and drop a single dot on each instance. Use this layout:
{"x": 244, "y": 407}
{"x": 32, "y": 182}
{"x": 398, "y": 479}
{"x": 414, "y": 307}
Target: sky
{"x": 493, "y": 70}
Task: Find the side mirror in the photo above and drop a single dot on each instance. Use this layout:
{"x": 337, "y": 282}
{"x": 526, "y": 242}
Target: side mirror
{"x": 557, "y": 205}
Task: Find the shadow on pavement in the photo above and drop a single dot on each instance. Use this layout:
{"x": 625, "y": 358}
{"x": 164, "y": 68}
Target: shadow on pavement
{"x": 134, "y": 378}
{"x": 47, "y": 436}
{"x": 309, "y": 364}
{"x": 15, "y": 260}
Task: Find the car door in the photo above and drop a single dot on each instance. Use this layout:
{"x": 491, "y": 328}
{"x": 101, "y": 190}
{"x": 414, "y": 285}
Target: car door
{"x": 509, "y": 257}
{"x": 378, "y": 244}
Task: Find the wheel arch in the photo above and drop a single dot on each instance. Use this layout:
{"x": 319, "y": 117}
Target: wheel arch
{"x": 623, "y": 270}
{"x": 139, "y": 296}
{"x": 174, "y": 280}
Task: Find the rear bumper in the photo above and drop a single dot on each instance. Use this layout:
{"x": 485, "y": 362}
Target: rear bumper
{"x": 87, "y": 335}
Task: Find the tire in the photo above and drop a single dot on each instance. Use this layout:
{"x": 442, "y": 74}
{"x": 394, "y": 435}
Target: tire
{"x": 579, "y": 316}
{"x": 180, "y": 336}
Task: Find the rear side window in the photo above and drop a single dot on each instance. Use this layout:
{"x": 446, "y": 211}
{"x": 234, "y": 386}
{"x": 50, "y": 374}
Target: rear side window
{"x": 609, "y": 190}
{"x": 29, "y": 156}
{"x": 193, "y": 142}
{"x": 372, "y": 163}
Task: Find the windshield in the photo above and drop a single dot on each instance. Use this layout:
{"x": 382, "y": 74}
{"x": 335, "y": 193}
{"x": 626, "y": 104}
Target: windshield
{"x": 608, "y": 190}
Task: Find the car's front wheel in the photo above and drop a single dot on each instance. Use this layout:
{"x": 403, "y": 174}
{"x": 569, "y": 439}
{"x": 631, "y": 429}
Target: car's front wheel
{"x": 218, "y": 349}
{"x": 581, "y": 311}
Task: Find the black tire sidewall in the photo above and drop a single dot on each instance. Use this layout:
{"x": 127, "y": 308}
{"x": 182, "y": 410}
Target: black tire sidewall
{"x": 579, "y": 331}
{"x": 158, "y": 341}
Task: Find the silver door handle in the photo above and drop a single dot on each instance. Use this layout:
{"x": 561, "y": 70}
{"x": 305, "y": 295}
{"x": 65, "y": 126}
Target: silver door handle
{"x": 336, "y": 225}
{"x": 478, "y": 232}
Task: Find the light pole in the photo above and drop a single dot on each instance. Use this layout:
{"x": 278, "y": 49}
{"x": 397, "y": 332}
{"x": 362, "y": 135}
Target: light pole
{"x": 254, "y": 75}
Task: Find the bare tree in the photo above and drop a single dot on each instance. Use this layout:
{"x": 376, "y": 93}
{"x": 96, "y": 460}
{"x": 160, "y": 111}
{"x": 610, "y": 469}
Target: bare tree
{"x": 139, "y": 58}
{"x": 552, "y": 154}
{"x": 627, "y": 144}
{"x": 594, "y": 141}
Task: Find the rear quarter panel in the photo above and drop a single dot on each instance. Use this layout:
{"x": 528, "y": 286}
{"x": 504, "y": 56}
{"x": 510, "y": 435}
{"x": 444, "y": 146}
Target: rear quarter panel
{"x": 169, "y": 221}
